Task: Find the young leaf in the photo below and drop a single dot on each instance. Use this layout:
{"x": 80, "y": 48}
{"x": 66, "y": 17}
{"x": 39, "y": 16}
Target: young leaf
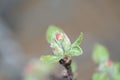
{"x": 78, "y": 41}
{"x": 98, "y": 76}
{"x": 75, "y": 51}
{"x": 57, "y": 50}
{"x": 49, "y": 59}
{"x": 66, "y": 42}
{"x": 51, "y": 31}
{"x": 100, "y": 53}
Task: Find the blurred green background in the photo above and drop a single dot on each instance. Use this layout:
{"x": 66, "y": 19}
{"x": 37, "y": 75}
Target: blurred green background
{"x": 23, "y": 25}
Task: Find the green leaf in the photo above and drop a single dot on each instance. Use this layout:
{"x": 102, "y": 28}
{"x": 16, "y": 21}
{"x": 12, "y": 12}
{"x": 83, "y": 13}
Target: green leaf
{"x": 117, "y": 64}
{"x": 66, "y": 42}
{"x": 74, "y": 67}
{"x": 75, "y": 51}
{"x": 49, "y": 59}
{"x": 100, "y": 53}
{"x": 98, "y": 76}
{"x": 117, "y": 76}
{"x": 78, "y": 41}
{"x": 51, "y": 30}
{"x": 115, "y": 68}
{"x": 57, "y": 50}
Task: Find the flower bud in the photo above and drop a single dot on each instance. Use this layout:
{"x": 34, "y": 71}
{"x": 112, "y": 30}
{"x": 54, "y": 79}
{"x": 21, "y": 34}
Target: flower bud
{"x": 109, "y": 63}
{"x": 59, "y": 36}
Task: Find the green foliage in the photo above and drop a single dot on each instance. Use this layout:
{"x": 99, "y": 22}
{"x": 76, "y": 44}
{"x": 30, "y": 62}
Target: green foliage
{"x": 118, "y": 65}
{"x": 98, "y": 76}
{"x": 106, "y": 66}
{"x": 100, "y": 53}
{"x": 57, "y": 49}
{"x": 75, "y": 51}
{"x": 78, "y": 41}
{"x": 49, "y": 59}
{"x": 117, "y": 76}
{"x": 66, "y": 43}
{"x": 61, "y": 45}
{"x": 110, "y": 69}
{"x": 37, "y": 70}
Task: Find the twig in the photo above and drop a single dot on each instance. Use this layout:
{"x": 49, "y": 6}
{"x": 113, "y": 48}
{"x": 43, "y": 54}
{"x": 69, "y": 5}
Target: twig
{"x": 66, "y": 62}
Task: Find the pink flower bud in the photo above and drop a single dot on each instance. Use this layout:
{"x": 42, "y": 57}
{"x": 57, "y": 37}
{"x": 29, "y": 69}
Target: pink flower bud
{"x": 109, "y": 63}
{"x": 59, "y": 36}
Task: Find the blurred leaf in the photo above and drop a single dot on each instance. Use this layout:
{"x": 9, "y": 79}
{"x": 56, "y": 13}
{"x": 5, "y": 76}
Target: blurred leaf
{"x": 78, "y": 41}
{"x": 74, "y": 67}
{"x": 102, "y": 67}
{"x": 114, "y": 69}
{"x": 75, "y": 51}
{"x": 49, "y": 59}
{"x": 50, "y": 32}
{"x": 100, "y": 53}
{"x": 40, "y": 70}
{"x": 98, "y": 76}
{"x": 117, "y": 76}
{"x": 31, "y": 78}
{"x": 118, "y": 65}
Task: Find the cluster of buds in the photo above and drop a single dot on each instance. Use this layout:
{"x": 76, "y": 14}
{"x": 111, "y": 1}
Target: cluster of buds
{"x": 63, "y": 37}
{"x": 60, "y": 43}
{"x": 63, "y": 49}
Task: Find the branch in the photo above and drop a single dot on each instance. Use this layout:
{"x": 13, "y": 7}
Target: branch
{"x": 66, "y": 62}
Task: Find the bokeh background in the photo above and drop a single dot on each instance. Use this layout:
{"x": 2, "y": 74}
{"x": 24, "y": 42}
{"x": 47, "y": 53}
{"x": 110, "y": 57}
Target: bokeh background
{"x": 23, "y": 24}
